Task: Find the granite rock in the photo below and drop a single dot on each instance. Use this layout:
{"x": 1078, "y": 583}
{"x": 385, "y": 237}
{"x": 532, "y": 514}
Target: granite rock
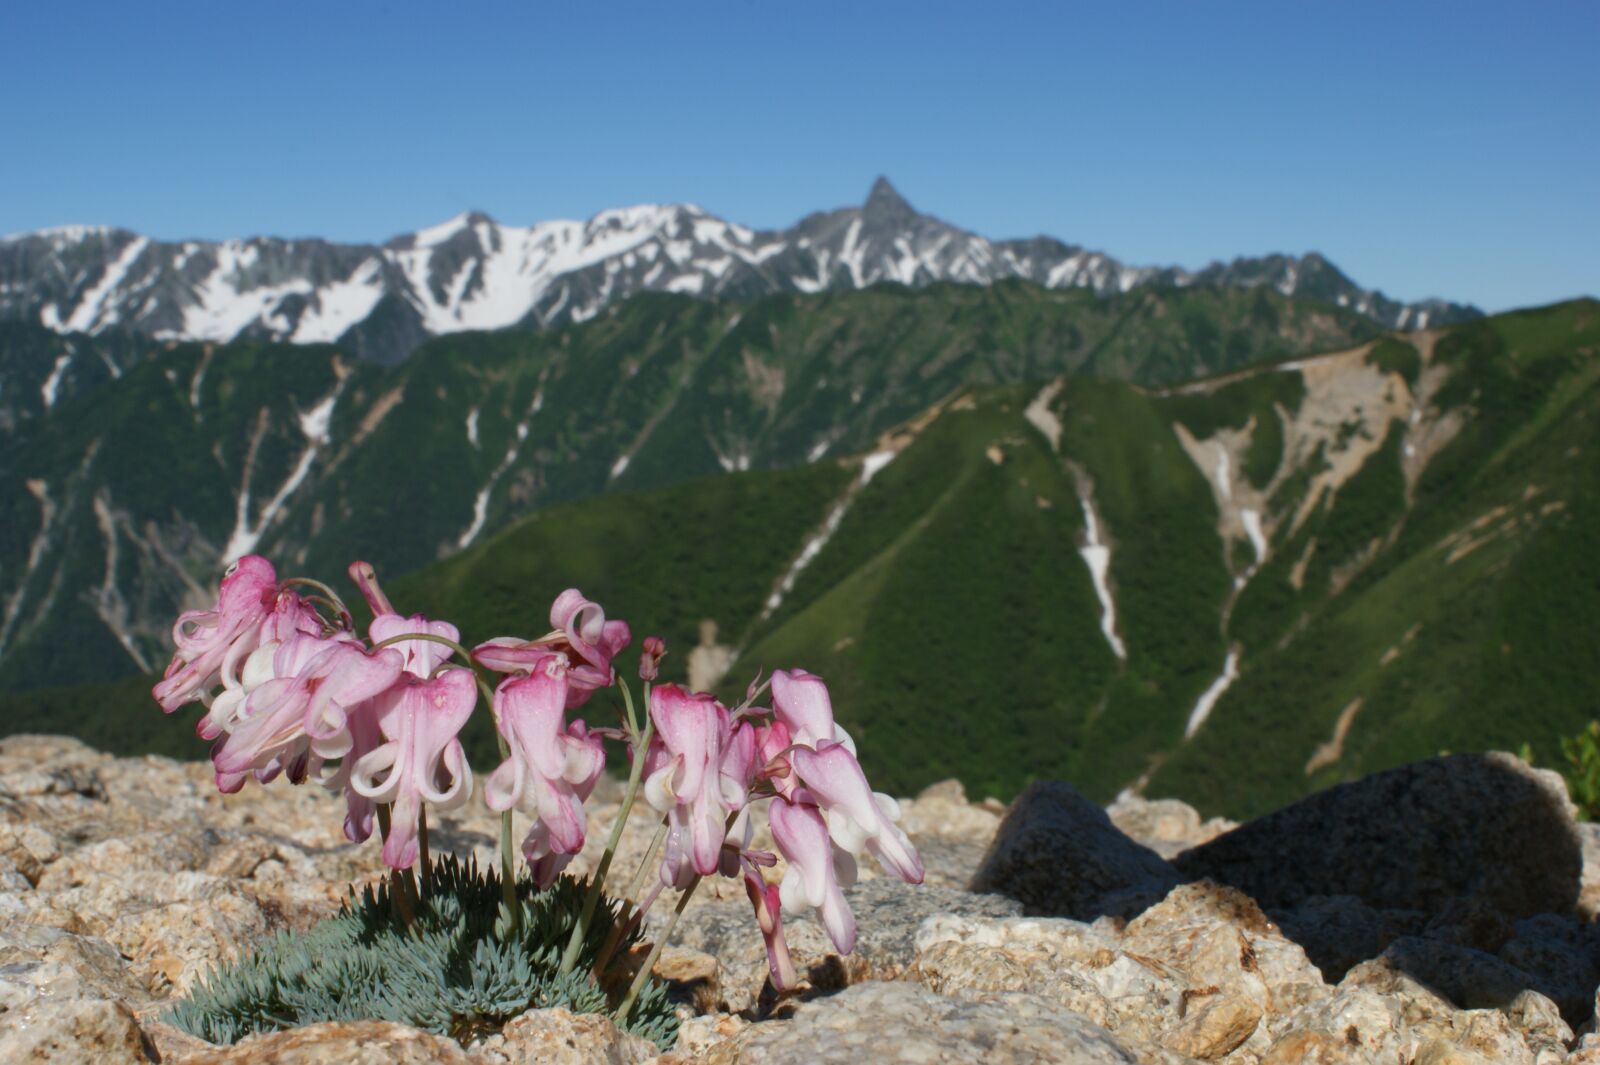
{"x": 1059, "y": 855}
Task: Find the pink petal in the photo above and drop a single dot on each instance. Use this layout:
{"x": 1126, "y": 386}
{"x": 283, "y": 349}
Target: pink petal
{"x": 687, "y": 724}
{"x": 811, "y": 882}
{"x": 204, "y": 637}
{"x": 834, "y": 776}
{"x": 580, "y": 618}
{"x": 422, "y": 657}
{"x": 421, "y": 726}
{"x": 801, "y": 702}
{"x": 764, "y": 897}
{"x": 510, "y": 654}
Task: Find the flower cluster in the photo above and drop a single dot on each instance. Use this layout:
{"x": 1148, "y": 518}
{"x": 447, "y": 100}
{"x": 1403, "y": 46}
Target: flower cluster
{"x": 291, "y": 689}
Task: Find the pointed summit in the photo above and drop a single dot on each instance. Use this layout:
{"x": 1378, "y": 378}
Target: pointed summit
{"x": 885, "y": 204}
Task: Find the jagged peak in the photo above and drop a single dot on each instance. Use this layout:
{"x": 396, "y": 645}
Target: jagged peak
{"x": 885, "y": 202}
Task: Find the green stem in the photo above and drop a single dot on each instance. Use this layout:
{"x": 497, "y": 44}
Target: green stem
{"x": 597, "y": 881}
{"x": 319, "y": 586}
{"x": 631, "y": 914}
{"x": 649, "y": 860}
{"x": 655, "y": 952}
{"x": 404, "y": 636}
{"x": 627, "y": 704}
{"x": 422, "y": 850}
{"x": 508, "y": 854}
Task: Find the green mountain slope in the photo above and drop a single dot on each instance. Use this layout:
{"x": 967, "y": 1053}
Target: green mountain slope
{"x": 1313, "y": 569}
{"x": 121, "y": 501}
{"x": 1473, "y": 623}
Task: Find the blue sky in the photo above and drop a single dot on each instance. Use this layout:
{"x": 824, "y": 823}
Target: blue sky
{"x": 1427, "y": 149}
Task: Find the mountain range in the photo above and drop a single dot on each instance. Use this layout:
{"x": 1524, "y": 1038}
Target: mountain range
{"x": 380, "y": 302}
{"x": 1217, "y": 543}
{"x": 132, "y": 474}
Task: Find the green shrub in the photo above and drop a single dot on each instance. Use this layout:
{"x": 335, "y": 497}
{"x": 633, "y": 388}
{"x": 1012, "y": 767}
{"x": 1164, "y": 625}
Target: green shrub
{"x": 1582, "y": 771}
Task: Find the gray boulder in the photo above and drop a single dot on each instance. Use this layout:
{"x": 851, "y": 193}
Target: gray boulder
{"x": 1059, "y": 855}
{"x": 1485, "y": 828}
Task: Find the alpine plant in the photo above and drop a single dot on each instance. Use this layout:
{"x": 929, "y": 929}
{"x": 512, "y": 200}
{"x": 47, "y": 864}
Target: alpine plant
{"x": 291, "y": 689}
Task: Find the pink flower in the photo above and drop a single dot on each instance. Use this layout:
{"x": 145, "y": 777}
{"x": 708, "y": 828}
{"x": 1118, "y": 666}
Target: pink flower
{"x": 818, "y": 871}
{"x": 801, "y": 702}
{"x": 768, "y": 905}
{"x": 365, "y": 737}
{"x": 421, "y": 760}
{"x": 593, "y": 641}
{"x": 422, "y": 657}
{"x": 552, "y": 767}
{"x": 858, "y": 817}
{"x": 582, "y": 636}
{"x": 697, "y": 772}
{"x": 205, "y": 638}
{"x": 314, "y": 681}
{"x": 772, "y": 754}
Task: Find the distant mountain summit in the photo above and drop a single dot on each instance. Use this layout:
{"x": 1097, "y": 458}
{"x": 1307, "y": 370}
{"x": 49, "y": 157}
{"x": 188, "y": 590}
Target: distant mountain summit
{"x": 472, "y": 272}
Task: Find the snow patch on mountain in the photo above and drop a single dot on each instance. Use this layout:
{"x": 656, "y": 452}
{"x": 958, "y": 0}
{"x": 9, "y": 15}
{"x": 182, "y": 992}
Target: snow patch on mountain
{"x": 314, "y": 426}
{"x": 1208, "y": 698}
{"x": 338, "y": 305}
{"x": 1097, "y": 556}
{"x": 52, "y": 384}
{"x": 471, "y": 272}
{"x": 91, "y": 311}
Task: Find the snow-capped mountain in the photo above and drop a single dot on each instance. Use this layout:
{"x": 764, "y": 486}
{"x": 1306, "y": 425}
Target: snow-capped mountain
{"x": 475, "y": 273}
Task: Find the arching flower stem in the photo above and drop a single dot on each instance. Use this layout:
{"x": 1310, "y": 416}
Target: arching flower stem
{"x": 331, "y": 596}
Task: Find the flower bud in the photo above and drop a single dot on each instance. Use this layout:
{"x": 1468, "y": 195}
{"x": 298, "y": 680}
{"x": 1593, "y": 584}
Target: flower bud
{"x": 655, "y": 649}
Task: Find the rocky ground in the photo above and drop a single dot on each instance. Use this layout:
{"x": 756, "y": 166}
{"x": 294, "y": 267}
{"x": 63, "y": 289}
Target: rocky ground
{"x": 1434, "y": 914}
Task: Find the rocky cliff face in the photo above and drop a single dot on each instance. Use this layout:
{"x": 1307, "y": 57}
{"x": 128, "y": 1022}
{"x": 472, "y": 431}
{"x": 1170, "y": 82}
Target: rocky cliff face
{"x": 1444, "y": 918}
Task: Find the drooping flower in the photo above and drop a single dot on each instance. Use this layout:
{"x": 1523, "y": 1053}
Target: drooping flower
{"x": 422, "y": 657}
{"x": 768, "y": 903}
{"x": 857, "y": 817}
{"x": 581, "y": 635}
{"x": 772, "y": 754}
{"x": 593, "y": 641}
{"x": 800, "y": 700}
{"x": 685, "y": 777}
{"x": 421, "y": 759}
{"x": 552, "y": 767}
{"x": 818, "y": 871}
{"x": 314, "y": 680}
{"x": 205, "y": 638}
{"x": 365, "y": 737}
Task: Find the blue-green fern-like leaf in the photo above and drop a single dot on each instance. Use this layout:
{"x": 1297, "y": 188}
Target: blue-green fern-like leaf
{"x": 464, "y": 968}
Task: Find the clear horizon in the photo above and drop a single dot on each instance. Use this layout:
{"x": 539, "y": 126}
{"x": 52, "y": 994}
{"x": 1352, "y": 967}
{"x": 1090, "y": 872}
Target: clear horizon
{"x": 1439, "y": 150}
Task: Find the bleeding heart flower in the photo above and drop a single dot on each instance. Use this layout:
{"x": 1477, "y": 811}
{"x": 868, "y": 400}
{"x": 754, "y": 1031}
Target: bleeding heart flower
{"x": 552, "y": 767}
{"x": 801, "y": 702}
{"x": 205, "y": 638}
{"x": 818, "y": 871}
{"x": 858, "y": 817}
{"x": 314, "y": 681}
{"x": 582, "y": 637}
{"x": 421, "y": 760}
{"x": 697, "y": 771}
